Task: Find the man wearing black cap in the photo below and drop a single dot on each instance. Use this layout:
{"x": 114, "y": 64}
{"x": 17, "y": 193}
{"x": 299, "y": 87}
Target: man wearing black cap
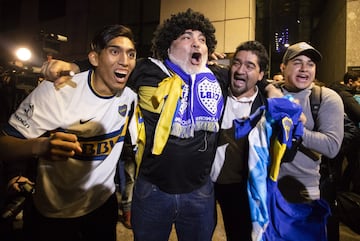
{"x": 299, "y": 178}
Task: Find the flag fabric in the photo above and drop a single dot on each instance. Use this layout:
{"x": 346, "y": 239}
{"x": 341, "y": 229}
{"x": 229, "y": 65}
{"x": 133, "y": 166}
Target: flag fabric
{"x": 295, "y": 221}
{"x": 259, "y": 159}
{"x": 273, "y": 218}
{"x": 284, "y": 116}
{"x": 276, "y": 128}
{"x": 290, "y": 221}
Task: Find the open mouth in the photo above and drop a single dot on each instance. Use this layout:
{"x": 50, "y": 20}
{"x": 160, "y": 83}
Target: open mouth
{"x": 195, "y": 58}
{"x": 120, "y": 75}
{"x": 238, "y": 78}
{"x": 238, "y": 81}
{"x": 302, "y": 77}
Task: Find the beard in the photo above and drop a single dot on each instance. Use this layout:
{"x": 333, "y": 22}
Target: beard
{"x": 186, "y": 65}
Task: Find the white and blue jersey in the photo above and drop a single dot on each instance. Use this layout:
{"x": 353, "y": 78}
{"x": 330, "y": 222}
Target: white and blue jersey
{"x": 76, "y": 187}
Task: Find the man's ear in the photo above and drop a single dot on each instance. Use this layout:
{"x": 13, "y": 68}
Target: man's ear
{"x": 261, "y": 75}
{"x": 282, "y": 67}
{"x": 93, "y": 58}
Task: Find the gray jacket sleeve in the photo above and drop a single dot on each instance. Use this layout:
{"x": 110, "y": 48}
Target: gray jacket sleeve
{"x": 328, "y": 137}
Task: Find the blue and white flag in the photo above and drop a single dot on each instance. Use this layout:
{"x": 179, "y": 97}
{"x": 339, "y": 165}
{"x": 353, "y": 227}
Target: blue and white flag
{"x": 259, "y": 159}
{"x": 290, "y": 221}
{"x": 273, "y": 132}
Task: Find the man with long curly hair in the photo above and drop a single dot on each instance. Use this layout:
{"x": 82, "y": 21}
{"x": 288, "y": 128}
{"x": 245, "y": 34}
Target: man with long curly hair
{"x": 181, "y": 101}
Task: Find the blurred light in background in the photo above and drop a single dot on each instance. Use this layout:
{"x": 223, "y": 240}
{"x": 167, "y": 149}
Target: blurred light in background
{"x": 23, "y": 54}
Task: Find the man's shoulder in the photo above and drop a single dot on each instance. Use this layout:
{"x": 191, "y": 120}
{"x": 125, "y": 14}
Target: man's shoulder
{"x": 130, "y": 93}
{"x": 328, "y": 91}
{"x": 325, "y": 95}
{"x": 146, "y": 73}
{"x": 222, "y": 75}
{"x": 149, "y": 65}
{"x": 142, "y": 61}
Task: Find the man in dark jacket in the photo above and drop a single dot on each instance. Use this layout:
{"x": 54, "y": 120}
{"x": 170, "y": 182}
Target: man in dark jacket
{"x": 230, "y": 169}
{"x": 348, "y": 90}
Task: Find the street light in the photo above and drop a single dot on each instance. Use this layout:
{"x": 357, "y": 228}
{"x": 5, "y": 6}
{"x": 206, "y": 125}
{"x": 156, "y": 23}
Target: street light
{"x": 23, "y": 54}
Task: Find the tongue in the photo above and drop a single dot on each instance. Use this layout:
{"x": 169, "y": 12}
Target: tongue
{"x": 195, "y": 61}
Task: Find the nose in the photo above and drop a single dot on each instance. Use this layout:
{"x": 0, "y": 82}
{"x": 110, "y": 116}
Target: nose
{"x": 241, "y": 68}
{"x": 304, "y": 67}
{"x": 123, "y": 59}
{"x": 195, "y": 43}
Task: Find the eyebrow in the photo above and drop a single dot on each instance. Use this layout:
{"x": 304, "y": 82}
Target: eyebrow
{"x": 191, "y": 32}
{"x": 120, "y": 47}
{"x": 246, "y": 62}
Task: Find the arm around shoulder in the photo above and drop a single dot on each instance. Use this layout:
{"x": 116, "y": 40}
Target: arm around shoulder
{"x": 268, "y": 89}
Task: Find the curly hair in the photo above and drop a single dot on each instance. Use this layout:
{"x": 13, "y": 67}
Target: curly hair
{"x": 258, "y": 49}
{"x": 175, "y": 26}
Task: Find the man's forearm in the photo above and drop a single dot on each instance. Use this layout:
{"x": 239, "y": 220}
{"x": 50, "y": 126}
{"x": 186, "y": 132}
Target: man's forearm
{"x": 13, "y": 148}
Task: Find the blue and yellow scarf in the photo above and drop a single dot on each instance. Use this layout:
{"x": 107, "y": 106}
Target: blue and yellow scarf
{"x": 189, "y": 103}
{"x": 200, "y": 105}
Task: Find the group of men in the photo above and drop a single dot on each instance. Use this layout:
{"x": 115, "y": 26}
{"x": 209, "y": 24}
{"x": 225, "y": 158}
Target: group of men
{"x": 180, "y": 116}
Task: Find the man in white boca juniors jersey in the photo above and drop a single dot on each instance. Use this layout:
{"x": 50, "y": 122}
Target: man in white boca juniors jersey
{"x": 77, "y": 133}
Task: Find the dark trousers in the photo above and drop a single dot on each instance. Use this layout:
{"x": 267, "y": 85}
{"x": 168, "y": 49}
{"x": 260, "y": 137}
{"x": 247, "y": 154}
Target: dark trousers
{"x": 154, "y": 212}
{"x": 97, "y": 225}
{"x": 234, "y": 204}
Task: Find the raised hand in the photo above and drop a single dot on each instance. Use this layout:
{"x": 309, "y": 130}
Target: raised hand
{"x": 59, "y": 72}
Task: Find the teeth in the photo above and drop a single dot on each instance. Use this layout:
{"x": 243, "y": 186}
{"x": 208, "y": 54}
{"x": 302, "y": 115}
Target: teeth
{"x": 120, "y": 75}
